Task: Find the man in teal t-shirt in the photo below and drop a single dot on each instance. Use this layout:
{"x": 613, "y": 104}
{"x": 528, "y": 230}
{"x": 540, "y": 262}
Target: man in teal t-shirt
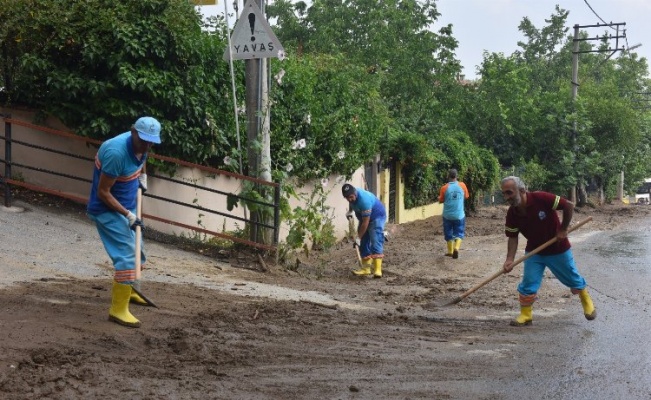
{"x": 453, "y": 195}
{"x": 371, "y": 214}
{"x": 118, "y": 173}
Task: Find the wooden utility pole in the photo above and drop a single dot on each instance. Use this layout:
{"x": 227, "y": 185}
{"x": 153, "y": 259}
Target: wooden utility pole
{"x": 253, "y": 40}
{"x": 575, "y": 90}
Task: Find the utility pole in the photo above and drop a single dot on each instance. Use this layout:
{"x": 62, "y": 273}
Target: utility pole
{"x": 643, "y": 100}
{"x": 575, "y": 91}
{"x": 253, "y": 40}
{"x": 575, "y": 88}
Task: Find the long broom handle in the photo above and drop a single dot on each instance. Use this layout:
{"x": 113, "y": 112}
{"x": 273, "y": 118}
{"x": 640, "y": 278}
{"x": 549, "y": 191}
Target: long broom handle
{"x": 359, "y": 257}
{"x": 138, "y": 232}
{"x": 519, "y": 260}
{"x": 351, "y": 228}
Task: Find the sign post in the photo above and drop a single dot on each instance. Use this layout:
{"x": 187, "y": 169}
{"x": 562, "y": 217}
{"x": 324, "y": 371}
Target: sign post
{"x": 253, "y": 40}
{"x": 204, "y": 2}
{"x": 252, "y": 36}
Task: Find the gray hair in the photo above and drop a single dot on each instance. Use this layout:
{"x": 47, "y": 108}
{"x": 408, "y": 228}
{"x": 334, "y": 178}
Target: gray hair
{"x": 518, "y": 182}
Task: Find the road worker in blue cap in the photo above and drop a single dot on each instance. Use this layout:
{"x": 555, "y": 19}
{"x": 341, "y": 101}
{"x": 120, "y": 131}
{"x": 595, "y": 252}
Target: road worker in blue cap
{"x": 119, "y": 172}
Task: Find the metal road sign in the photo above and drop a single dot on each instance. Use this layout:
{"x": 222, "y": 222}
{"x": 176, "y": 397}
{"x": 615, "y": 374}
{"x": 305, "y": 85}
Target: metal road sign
{"x": 252, "y": 36}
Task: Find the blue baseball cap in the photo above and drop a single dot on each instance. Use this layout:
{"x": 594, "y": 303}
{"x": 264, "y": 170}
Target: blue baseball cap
{"x": 148, "y": 129}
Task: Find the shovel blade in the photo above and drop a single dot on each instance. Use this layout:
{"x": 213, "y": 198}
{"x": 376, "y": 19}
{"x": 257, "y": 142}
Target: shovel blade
{"x": 145, "y": 298}
{"x": 451, "y": 302}
{"x": 434, "y": 305}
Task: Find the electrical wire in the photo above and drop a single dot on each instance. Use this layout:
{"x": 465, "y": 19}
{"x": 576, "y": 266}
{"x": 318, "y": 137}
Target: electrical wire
{"x": 610, "y": 26}
{"x": 233, "y": 87}
{"x": 595, "y": 13}
{"x": 230, "y": 64}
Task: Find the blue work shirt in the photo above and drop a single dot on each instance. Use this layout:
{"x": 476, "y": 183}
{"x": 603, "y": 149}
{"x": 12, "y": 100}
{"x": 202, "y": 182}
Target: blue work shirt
{"x": 368, "y": 205}
{"x": 452, "y": 195}
{"x": 117, "y": 159}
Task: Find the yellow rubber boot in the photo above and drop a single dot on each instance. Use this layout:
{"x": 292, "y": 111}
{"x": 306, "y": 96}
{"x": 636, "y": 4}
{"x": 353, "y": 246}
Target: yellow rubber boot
{"x": 365, "y": 269}
{"x": 457, "y": 246}
{"x": 588, "y": 307}
{"x": 119, "y": 312}
{"x": 450, "y": 248}
{"x": 377, "y": 268}
{"x": 525, "y": 317}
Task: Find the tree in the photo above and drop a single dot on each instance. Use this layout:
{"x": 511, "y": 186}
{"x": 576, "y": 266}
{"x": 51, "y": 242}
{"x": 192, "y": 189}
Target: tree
{"x": 393, "y": 38}
{"x": 98, "y": 65}
{"x": 522, "y": 109}
{"x": 415, "y": 70}
{"x": 426, "y": 161}
{"x": 334, "y": 107}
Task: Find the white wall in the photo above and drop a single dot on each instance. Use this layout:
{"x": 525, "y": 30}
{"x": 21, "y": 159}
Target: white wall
{"x": 193, "y": 196}
{"x": 45, "y": 160}
{"x": 334, "y": 204}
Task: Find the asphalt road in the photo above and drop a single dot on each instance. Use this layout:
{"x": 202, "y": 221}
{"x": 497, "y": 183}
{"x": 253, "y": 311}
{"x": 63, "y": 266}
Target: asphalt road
{"x": 561, "y": 356}
{"x": 609, "y": 358}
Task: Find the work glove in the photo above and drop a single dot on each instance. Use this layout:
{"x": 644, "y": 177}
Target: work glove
{"x": 357, "y": 242}
{"x": 142, "y": 182}
{"x": 133, "y": 221}
{"x": 349, "y": 214}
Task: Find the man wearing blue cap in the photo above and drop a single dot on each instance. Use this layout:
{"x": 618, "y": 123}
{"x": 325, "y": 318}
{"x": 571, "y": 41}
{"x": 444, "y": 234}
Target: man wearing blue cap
{"x": 119, "y": 172}
{"x": 371, "y": 214}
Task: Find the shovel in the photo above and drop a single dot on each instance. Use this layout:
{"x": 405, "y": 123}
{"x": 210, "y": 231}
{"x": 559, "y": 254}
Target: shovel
{"x": 516, "y": 262}
{"x": 138, "y": 250}
{"x": 351, "y": 228}
{"x": 359, "y": 256}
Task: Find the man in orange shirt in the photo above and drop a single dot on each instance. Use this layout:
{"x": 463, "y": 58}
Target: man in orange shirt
{"x": 453, "y": 195}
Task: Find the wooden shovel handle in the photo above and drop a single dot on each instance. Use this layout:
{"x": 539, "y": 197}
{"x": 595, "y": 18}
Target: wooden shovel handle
{"x": 519, "y": 260}
{"x": 138, "y": 232}
{"x": 351, "y": 228}
{"x": 359, "y": 256}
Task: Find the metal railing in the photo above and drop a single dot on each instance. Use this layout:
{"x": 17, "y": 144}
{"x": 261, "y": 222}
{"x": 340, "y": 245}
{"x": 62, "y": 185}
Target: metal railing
{"x": 7, "y": 181}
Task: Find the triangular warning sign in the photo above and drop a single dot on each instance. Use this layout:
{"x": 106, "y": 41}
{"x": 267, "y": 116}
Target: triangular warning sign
{"x": 252, "y": 36}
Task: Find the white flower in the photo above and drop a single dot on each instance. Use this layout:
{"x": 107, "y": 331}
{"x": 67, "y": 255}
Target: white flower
{"x": 279, "y": 76}
{"x": 281, "y": 55}
{"x": 341, "y": 154}
{"x": 299, "y": 144}
{"x": 227, "y": 160}
{"x": 308, "y": 119}
{"x": 324, "y": 182}
{"x": 289, "y": 167}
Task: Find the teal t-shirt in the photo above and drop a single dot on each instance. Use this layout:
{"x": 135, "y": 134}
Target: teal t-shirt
{"x": 368, "y": 205}
{"x": 116, "y": 159}
{"x": 453, "y": 205}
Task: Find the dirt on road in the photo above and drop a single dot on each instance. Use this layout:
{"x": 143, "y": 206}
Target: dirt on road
{"x": 306, "y": 330}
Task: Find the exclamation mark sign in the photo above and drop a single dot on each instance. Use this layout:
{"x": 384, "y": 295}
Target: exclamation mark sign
{"x": 252, "y": 25}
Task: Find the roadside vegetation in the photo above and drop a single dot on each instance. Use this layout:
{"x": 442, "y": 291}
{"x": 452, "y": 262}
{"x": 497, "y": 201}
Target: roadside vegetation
{"x": 359, "y": 79}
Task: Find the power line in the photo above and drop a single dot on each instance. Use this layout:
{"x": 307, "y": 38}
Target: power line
{"x": 595, "y": 13}
{"x": 610, "y": 26}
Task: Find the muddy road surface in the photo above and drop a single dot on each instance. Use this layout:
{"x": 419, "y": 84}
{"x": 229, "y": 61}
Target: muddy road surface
{"x": 229, "y": 327}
